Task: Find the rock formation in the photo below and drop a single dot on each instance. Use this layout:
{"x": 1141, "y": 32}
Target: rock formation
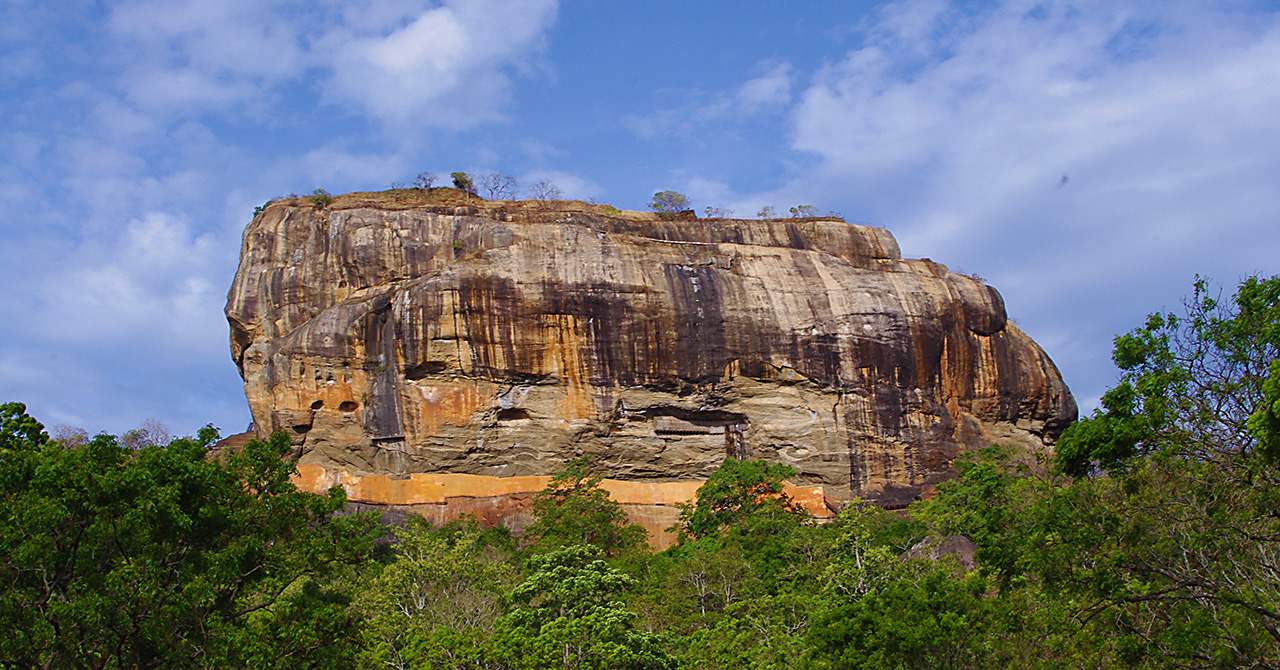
{"x": 420, "y": 332}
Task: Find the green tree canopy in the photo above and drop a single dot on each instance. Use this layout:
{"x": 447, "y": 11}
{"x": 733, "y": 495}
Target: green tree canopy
{"x": 1161, "y": 550}
{"x": 463, "y": 182}
{"x": 568, "y": 613}
{"x": 669, "y": 203}
{"x": 437, "y": 602}
{"x": 733, "y": 493}
{"x": 160, "y": 557}
{"x": 573, "y": 510}
{"x": 1190, "y": 383}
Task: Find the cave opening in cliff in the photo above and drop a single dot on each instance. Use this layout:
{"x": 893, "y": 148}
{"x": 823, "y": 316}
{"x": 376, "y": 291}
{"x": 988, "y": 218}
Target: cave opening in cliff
{"x": 513, "y": 414}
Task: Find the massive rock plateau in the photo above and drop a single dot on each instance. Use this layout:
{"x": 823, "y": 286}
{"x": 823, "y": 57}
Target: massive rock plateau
{"x": 411, "y": 332}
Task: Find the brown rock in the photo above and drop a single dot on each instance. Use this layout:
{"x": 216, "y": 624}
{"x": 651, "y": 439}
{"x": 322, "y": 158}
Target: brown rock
{"x": 403, "y": 333}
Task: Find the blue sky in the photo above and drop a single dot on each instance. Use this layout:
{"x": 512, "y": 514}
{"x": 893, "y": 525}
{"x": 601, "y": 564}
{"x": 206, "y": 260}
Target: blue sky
{"x": 1086, "y": 158}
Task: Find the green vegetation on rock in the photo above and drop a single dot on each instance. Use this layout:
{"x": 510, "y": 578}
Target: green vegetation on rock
{"x": 669, "y": 203}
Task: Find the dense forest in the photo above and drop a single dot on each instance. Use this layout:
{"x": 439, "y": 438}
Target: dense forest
{"x": 1149, "y": 538}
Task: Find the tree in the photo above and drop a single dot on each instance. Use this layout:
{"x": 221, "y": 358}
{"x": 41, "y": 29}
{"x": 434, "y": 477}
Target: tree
{"x": 803, "y": 211}
{"x": 1190, "y": 383}
{"x": 1264, "y": 423}
{"x": 463, "y": 183}
{"x": 160, "y": 557}
{"x": 574, "y": 510}
{"x": 545, "y": 191}
{"x": 862, "y": 562}
{"x": 436, "y": 604}
{"x": 669, "y": 203}
{"x": 933, "y": 621}
{"x": 733, "y": 493}
{"x": 767, "y": 212}
{"x": 320, "y": 199}
{"x": 68, "y": 436}
{"x": 424, "y": 181}
{"x": 151, "y": 433}
{"x": 498, "y": 186}
{"x": 1166, "y": 544}
{"x": 567, "y": 614}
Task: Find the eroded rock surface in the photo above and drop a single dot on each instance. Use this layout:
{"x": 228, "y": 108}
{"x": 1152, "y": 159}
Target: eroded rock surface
{"x": 402, "y": 333}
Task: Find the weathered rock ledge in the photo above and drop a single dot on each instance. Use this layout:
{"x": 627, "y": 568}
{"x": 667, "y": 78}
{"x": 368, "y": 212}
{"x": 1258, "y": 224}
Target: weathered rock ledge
{"x": 405, "y": 334}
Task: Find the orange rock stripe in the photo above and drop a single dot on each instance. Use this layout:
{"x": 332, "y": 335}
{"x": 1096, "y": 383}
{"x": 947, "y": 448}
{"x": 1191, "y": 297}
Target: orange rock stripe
{"x": 435, "y": 488}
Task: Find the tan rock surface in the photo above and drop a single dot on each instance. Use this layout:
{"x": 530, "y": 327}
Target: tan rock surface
{"x": 408, "y": 334}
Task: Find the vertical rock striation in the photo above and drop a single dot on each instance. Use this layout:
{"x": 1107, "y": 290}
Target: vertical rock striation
{"x": 410, "y": 332}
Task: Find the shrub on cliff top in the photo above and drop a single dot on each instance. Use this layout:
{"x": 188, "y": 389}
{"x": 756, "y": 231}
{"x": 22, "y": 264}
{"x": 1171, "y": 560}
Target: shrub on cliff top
{"x": 424, "y": 181}
{"x": 321, "y": 199}
{"x": 669, "y": 203}
{"x": 463, "y": 183}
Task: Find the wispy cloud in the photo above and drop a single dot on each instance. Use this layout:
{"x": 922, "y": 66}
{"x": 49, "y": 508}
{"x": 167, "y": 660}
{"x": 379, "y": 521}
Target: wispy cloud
{"x": 773, "y": 88}
{"x": 768, "y": 92}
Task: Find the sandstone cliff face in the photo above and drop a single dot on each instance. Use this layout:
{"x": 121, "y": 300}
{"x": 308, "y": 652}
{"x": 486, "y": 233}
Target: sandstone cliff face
{"x": 398, "y": 333}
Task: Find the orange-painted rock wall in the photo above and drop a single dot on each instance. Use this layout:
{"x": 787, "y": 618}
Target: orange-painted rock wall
{"x": 443, "y": 497}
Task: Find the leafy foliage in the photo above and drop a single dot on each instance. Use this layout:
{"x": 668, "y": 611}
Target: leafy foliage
{"x": 1167, "y": 542}
{"x": 437, "y": 603}
{"x": 733, "y": 493}
{"x": 574, "y": 510}
{"x": 159, "y": 557}
{"x": 935, "y": 621}
{"x": 320, "y": 198}
{"x": 463, "y": 183}
{"x": 1190, "y": 383}
{"x": 1264, "y": 423}
{"x": 566, "y": 614}
{"x": 669, "y": 203}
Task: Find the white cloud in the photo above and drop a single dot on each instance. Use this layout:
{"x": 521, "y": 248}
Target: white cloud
{"x": 121, "y": 326}
{"x": 152, "y": 282}
{"x": 772, "y": 88}
{"x": 148, "y": 131}
{"x": 408, "y": 66}
{"x": 447, "y": 67}
{"x": 333, "y": 164}
{"x": 539, "y": 152}
{"x": 1078, "y": 154}
{"x": 179, "y": 54}
{"x": 680, "y": 121}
